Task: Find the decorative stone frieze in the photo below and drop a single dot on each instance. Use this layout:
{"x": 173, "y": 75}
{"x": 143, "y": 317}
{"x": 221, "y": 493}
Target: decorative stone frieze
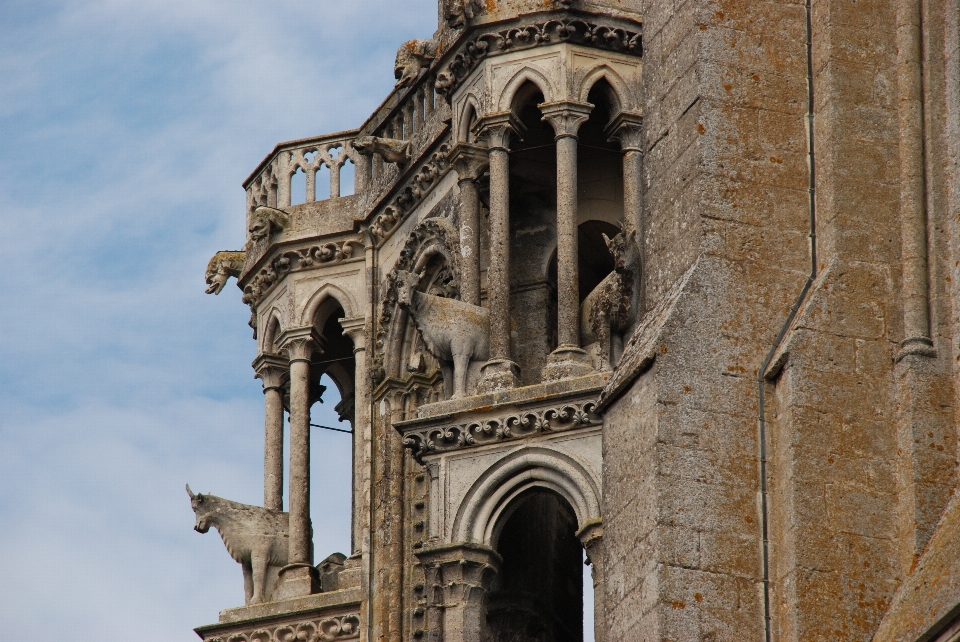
{"x": 447, "y": 437}
{"x": 298, "y": 259}
{"x": 585, "y": 31}
{"x": 338, "y": 627}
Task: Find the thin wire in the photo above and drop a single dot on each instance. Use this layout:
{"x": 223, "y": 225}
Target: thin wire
{"x": 332, "y": 428}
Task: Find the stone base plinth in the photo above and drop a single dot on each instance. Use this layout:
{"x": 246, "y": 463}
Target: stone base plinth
{"x": 567, "y": 362}
{"x": 297, "y": 580}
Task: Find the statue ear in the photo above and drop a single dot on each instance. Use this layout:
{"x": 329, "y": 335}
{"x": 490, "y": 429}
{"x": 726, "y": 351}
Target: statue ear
{"x": 606, "y": 239}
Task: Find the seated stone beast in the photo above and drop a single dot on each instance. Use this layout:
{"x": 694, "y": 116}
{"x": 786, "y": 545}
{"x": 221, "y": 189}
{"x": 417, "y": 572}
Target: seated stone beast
{"x": 453, "y": 330}
{"x": 391, "y": 150}
{"x": 611, "y": 309}
{"x": 255, "y": 537}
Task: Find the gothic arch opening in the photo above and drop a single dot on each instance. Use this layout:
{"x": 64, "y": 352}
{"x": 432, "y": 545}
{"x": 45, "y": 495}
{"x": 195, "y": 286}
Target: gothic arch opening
{"x": 332, "y": 416}
{"x": 538, "y": 593}
{"x": 533, "y": 225}
{"x": 599, "y": 161}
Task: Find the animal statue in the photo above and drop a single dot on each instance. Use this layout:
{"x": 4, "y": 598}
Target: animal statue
{"x": 391, "y": 150}
{"x": 221, "y": 267}
{"x": 457, "y": 12}
{"x": 255, "y": 537}
{"x": 412, "y": 57}
{"x": 611, "y": 309}
{"x": 266, "y": 221}
{"x": 453, "y": 331}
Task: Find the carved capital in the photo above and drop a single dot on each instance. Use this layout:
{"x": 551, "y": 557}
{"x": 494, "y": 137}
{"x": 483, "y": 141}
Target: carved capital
{"x": 468, "y": 161}
{"x": 300, "y": 343}
{"x": 462, "y": 573}
{"x": 272, "y": 369}
{"x": 498, "y": 128}
{"x": 565, "y": 116}
{"x": 626, "y": 129}
{"x": 353, "y": 327}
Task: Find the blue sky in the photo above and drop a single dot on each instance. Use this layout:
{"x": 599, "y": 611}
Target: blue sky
{"x": 126, "y": 128}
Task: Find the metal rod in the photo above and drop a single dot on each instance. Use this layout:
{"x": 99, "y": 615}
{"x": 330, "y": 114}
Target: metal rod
{"x": 332, "y": 428}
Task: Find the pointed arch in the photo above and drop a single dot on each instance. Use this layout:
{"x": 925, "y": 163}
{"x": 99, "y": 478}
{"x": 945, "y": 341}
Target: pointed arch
{"x": 274, "y": 326}
{"x": 523, "y": 76}
{"x": 624, "y": 96}
{"x": 320, "y": 297}
{"x": 471, "y": 110}
{"x": 492, "y": 495}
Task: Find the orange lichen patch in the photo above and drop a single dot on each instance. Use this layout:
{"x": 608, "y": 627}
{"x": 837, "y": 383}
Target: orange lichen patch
{"x": 679, "y": 604}
{"x": 700, "y": 128}
{"x": 698, "y": 597}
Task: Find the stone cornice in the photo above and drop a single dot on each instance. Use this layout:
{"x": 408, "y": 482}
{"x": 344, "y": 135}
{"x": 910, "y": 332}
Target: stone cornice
{"x": 432, "y": 437}
{"x": 535, "y": 30}
{"x": 294, "y": 256}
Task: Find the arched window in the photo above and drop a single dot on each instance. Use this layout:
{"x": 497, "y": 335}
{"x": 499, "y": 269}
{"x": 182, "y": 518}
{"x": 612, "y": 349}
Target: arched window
{"x": 538, "y": 593}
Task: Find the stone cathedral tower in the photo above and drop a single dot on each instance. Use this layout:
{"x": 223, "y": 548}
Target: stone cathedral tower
{"x": 674, "y": 283}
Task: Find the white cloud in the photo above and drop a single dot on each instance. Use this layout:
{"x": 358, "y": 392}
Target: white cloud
{"x": 127, "y": 127}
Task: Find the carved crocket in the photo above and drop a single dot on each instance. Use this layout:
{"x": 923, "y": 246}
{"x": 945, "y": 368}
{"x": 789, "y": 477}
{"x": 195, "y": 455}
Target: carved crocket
{"x": 392, "y": 151}
{"x": 221, "y": 267}
{"x": 457, "y": 12}
{"x": 412, "y": 57}
{"x": 612, "y": 307}
{"x": 454, "y": 331}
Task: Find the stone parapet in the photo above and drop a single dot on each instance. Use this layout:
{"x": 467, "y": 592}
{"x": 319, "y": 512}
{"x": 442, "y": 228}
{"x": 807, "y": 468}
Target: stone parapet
{"x": 320, "y": 617}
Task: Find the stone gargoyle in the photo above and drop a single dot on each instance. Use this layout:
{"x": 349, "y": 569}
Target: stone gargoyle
{"x": 265, "y": 222}
{"x": 454, "y": 331}
{"x": 412, "y": 57}
{"x": 221, "y": 267}
{"x": 391, "y": 150}
{"x": 255, "y": 537}
{"x": 612, "y": 307}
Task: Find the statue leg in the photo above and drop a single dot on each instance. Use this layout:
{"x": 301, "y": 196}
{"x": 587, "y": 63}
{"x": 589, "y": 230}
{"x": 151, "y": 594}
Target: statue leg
{"x": 247, "y": 581}
{"x": 461, "y": 363}
{"x": 258, "y": 561}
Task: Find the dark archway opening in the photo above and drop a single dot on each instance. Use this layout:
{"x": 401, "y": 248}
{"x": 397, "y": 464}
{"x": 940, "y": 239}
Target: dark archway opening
{"x": 538, "y": 594}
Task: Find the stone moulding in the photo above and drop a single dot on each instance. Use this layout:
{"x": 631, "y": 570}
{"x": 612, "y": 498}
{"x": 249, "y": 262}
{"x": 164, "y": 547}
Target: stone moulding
{"x": 338, "y": 627}
{"x": 450, "y": 437}
{"x": 411, "y": 194}
{"x": 591, "y": 30}
{"x": 296, "y": 259}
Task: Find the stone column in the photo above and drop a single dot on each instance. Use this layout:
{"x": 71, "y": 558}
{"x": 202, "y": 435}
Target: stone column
{"x": 299, "y": 577}
{"x": 591, "y": 536}
{"x": 500, "y": 372}
{"x": 273, "y": 370}
{"x": 568, "y": 360}
{"x": 458, "y": 576}
{"x": 626, "y": 129}
{"x": 355, "y": 328}
{"x": 469, "y": 161}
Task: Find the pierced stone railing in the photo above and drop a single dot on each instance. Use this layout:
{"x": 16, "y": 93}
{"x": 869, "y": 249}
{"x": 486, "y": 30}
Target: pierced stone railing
{"x": 271, "y": 182}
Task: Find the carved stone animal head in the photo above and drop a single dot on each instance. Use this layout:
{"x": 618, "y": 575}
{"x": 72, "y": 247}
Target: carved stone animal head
{"x": 221, "y": 267}
{"x": 406, "y": 283}
{"x": 457, "y": 12}
{"x": 392, "y": 151}
{"x": 412, "y": 57}
{"x": 203, "y": 509}
{"x": 623, "y": 247}
{"x": 266, "y": 221}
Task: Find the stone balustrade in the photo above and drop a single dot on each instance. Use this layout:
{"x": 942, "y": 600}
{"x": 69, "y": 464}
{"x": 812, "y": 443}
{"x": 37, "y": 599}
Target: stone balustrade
{"x": 271, "y": 183}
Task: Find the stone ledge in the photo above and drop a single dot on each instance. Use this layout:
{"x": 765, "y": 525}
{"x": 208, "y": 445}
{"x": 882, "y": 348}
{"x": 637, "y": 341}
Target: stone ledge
{"x": 537, "y": 393}
{"x": 294, "y": 606}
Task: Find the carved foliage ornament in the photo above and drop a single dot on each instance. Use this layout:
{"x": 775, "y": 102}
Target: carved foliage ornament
{"x": 294, "y": 260}
{"x": 562, "y": 30}
{"x": 413, "y": 193}
{"x": 341, "y": 627}
{"x": 454, "y": 437}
